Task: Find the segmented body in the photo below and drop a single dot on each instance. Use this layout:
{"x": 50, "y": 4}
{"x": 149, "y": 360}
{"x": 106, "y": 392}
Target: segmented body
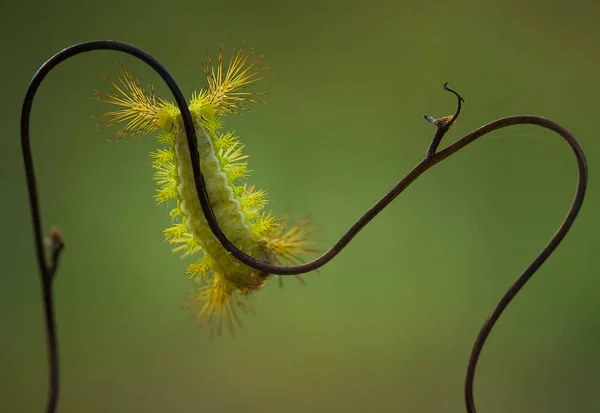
{"x": 227, "y": 209}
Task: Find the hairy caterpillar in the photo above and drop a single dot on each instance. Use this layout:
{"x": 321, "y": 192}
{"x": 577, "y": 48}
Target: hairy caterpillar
{"x": 223, "y": 281}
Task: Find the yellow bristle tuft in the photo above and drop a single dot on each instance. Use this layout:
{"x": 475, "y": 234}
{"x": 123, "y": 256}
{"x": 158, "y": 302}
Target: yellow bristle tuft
{"x": 199, "y": 269}
{"x": 236, "y": 171}
{"x": 168, "y": 138}
{"x": 266, "y": 223}
{"x": 166, "y": 175}
{"x": 141, "y": 107}
{"x": 166, "y": 193}
{"x": 176, "y": 213}
{"x": 162, "y": 157}
{"x": 232, "y": 155}
{"x": 218, "y": 304}
{"x": 288, "y": 245}
{"x": 175, "y": 232}
{"x": 226, "y": 141}
{"x": 223, "y": 86}
{"x": 252, "y": 198}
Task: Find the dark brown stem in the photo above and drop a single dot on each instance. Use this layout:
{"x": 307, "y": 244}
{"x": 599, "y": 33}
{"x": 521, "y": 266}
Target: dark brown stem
{"x": 432, "y": 158}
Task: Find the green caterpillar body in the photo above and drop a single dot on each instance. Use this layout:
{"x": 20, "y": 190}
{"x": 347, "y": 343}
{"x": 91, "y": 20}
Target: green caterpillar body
{"x": 239, "y": 208}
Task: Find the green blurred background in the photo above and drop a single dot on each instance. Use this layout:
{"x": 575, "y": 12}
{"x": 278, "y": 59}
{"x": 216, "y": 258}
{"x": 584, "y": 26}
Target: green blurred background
{"x": 389, "y": 324}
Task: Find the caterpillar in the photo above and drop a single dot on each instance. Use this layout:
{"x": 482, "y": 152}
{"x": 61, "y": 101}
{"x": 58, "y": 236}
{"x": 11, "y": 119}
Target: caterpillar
{"x": 223, "y": 284}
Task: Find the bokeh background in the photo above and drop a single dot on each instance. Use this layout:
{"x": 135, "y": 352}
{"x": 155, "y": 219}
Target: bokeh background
{"x": 389, "y": 324}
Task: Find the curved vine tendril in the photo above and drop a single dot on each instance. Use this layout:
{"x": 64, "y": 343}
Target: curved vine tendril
{"x": 48, "y": 269}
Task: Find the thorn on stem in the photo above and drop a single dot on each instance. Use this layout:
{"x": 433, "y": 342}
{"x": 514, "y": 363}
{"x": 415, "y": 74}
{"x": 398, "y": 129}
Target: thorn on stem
{"x": 439, "y": 122}
{"x": 56, "y": 244}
